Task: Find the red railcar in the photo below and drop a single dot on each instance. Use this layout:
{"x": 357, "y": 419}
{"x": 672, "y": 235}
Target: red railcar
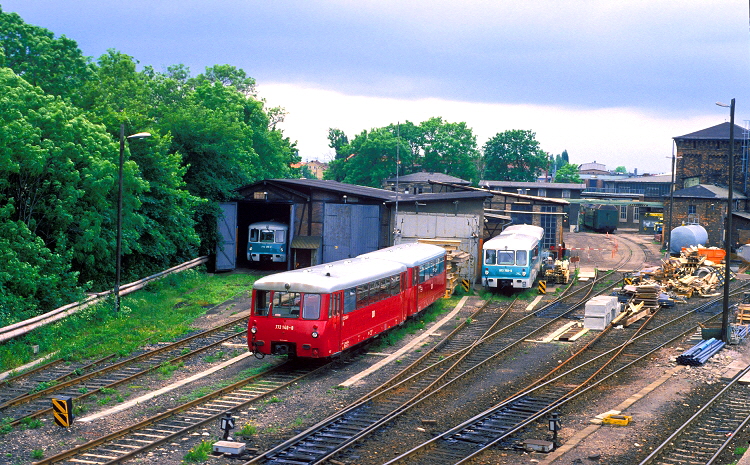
{"x": 319, "y": 311}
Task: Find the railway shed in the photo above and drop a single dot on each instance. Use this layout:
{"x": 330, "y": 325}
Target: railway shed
{"x": 331, "y": 221}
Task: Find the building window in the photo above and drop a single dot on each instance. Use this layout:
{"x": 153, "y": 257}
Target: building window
{"x": 549, "y": 223}
{"x": 623, "y": 213}
{"x": 541, "y": 192}
{"x": 635, "y": 214}
{"x": 692, "y": 210}
{"x": 566, "y": 193}
{"x": 692, "y": 181}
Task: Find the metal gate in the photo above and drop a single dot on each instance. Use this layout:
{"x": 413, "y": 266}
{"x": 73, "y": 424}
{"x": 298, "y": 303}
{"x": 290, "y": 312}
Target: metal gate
{"x": 226, "y": 248}
{"x": 349, "y": 230}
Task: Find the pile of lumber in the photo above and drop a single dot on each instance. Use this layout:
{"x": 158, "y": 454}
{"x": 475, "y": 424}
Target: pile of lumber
{"x": 560, "y": 274}
{"x": 688, "y": 275}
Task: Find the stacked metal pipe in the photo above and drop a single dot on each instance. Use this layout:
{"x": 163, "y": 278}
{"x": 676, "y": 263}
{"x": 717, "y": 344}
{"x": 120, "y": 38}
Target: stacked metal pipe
{"x": 700, "y": 353}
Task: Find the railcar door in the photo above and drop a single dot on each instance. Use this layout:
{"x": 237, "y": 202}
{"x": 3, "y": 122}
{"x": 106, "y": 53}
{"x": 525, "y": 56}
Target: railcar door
{"x": 333, "y": 328}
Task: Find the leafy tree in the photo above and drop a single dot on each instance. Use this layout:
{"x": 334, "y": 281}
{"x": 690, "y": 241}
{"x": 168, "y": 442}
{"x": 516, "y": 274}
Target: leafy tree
{"x": 338, "y": 141}
{"x": 564, "y": 156}
{"x": 448, "y": 148}
{"x": 568, "y": 173}
{"x": 621, "y": 169}
{"x": 373, "y": 158}
{"x": 57, "y": 173}
{"x": 54, "y": 64}
{"x": 514, "y": 155}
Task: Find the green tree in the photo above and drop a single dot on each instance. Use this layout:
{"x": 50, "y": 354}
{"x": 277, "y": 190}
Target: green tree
{"x": 514, "y": 155}
{"x": 564, "y": 156}
{"x": 373, "y": 158}
{"x": 54, "y": 64}
{"x": 338, "y": 141}
{"x": 568, "y": 173}
{"x": 448, "y": 148}
{"x": 621, "y": 169}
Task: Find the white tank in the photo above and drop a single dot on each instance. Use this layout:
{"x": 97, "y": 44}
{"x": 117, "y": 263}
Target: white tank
{"x": 687, "y": 236}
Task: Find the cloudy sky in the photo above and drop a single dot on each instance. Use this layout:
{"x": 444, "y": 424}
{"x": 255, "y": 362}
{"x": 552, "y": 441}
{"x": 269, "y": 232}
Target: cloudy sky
{"x": 608, "y": 81}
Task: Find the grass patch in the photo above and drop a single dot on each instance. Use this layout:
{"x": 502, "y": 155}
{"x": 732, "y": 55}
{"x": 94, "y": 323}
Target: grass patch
{"x": 166, "y": 369}
{"x": 247, "y": 430}
{"x": 199, "y": 453}
{"x": 215, "y": 357}
{"x": 31, "y": 423}
{"x": 162, "y": 311}
{"x": 37, "y": 454}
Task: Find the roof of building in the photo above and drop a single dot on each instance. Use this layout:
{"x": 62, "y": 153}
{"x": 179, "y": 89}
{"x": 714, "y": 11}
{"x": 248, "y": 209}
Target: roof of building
{"x": 522, "y": 184}
{"x": 718, "y": 132}
{"x": 706, "y": 191}
{"x": 371, "y": 192}
{"x": 427, "y": 177}
{"x": 647, "y": 179}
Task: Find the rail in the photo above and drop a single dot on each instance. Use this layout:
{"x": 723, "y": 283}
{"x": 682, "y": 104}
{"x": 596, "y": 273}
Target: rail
{"x": 23, "y": 327}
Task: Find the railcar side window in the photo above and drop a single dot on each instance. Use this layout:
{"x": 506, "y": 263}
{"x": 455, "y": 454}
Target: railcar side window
{"x": 334, "y": 305}
{"x": 535, "y": 253}
{"x": 489, "y": 257}
{"x": 311, "y": 307}
{"x": 521, "y": 257}
{"x": 395, "y": 284}
{"x": 280, "y": 235}
{"x": 253, "y": 235}
{"x": 286, "y": 304}
{"x": 350, "y": 300}
{"x": 415, "y": 276}
{"x": 262, "y": 302}
{"x": 505, "y": 257}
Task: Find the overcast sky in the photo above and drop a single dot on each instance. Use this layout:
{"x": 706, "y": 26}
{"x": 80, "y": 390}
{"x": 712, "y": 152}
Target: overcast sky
{"x": 609, "y": 81}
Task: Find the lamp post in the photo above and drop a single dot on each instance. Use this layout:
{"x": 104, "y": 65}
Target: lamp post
{"x": 118, "y": 253}
{"x": 728, "y": 232}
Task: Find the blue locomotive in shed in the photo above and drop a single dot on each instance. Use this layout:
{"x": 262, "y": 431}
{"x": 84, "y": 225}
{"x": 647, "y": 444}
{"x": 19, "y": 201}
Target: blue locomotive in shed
{"x": 601, "y": 218}
{"x": 512, "y": 259}
{"x": 267, "y": 242}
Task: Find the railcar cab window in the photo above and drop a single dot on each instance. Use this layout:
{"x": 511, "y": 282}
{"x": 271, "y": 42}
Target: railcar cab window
{"x": 311, "y": 307}
{"x": 521, "y": 256}
{"x": 505, "y": 257}
{"x": 535, "y": 253}
{"x": 489, "y": 257}
{"x": 254, "y": 235}
{"x": 267, "y": 236}
{"x": 262, "y": 302}
{"x": 286, "y": 304}
{"x": 280, "y": 234}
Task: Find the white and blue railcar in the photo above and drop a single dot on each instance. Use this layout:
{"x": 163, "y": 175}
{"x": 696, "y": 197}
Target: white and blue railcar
{"x": 512, "y": 259}
{"x": 267, "y": 242}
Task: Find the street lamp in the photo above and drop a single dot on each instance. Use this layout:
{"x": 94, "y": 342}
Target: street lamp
{"x": 728, "y": 232}
{"x": 118, "y": 253}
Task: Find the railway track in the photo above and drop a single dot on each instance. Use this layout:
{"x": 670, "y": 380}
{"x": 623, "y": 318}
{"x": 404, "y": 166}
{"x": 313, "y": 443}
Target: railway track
{"x": 143, "y": 436}
{"x": 23, "y": 397}
{"x": 602, "y": 361}
{"x": 446, "y": 364}
{"x": 705, "y": 436}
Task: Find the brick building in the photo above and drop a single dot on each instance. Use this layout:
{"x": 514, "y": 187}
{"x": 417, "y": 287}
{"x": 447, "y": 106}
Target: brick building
{"x": 706, "y": 205}
{"x": 702, "y": 179}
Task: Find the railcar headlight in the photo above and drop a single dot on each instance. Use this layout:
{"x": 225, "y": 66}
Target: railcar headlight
{"x": 315, "y": 334}
{"x": 486, "y": 271}
{"x": 523, "y": 273}
{"x": 253, "y": 330}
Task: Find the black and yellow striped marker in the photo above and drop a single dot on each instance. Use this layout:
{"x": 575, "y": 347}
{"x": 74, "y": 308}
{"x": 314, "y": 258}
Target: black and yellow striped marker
{"x": 465, "y": 283}
{"x": 542, "y": 287}
{"x": 628, "y": 281}
{"x": 62, "y": 409}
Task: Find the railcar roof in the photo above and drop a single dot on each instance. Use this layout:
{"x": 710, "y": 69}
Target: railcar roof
{"x": 268, "y": 224}
{"x": 410, "y": 254}
{"x": 330, "y": 277}
{"x": 511, "y": 242}
{"x": 525, "y": 229}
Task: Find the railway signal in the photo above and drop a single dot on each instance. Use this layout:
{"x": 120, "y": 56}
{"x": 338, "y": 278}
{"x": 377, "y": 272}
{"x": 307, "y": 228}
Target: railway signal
{"x": 227, "y": 423}
{"x": 62, "y": 410}
{"x": 554, "y": 426}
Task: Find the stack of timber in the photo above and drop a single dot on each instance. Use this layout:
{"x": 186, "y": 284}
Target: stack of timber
{"x": 456, "y": 262}
{"x": 690, "y": 274}
{"x": 560, "y": 274}
{"x": 631, "y": 314}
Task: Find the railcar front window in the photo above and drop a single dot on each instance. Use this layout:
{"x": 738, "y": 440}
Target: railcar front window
{"x": 262, "y": 302}
{"x": 286, "y": 304}
{"x": 505, "y": 257}
{"x": 489, "y": 257}
{"x": 521, "y": 257}
{"x": 253, "y": 235}
{"x": 266, "y": 236}
{"x": 311, "y": 307}
{"x": 280, "y": 235}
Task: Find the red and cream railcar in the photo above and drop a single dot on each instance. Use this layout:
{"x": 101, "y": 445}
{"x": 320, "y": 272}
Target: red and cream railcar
{"x": 319, "y": 311}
